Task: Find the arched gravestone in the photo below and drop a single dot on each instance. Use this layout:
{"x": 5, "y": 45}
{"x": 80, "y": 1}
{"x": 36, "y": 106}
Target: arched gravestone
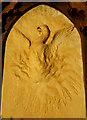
{"x": 43, "y": 67}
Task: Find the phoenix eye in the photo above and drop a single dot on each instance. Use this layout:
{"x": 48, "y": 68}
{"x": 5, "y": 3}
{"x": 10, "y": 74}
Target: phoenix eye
{"x": 39, "y": 29}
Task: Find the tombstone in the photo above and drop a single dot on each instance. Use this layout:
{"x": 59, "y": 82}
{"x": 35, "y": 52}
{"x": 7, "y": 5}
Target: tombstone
{"x": 43, "y": 67}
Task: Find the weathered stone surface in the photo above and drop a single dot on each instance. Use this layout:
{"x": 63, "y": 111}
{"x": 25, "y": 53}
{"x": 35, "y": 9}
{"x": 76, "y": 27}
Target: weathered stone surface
{"x": 43, "y": 68}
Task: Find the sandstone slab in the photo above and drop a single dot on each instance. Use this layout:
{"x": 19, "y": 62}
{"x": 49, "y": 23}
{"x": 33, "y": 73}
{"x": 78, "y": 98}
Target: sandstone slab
{"x": 43, "y": 67}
